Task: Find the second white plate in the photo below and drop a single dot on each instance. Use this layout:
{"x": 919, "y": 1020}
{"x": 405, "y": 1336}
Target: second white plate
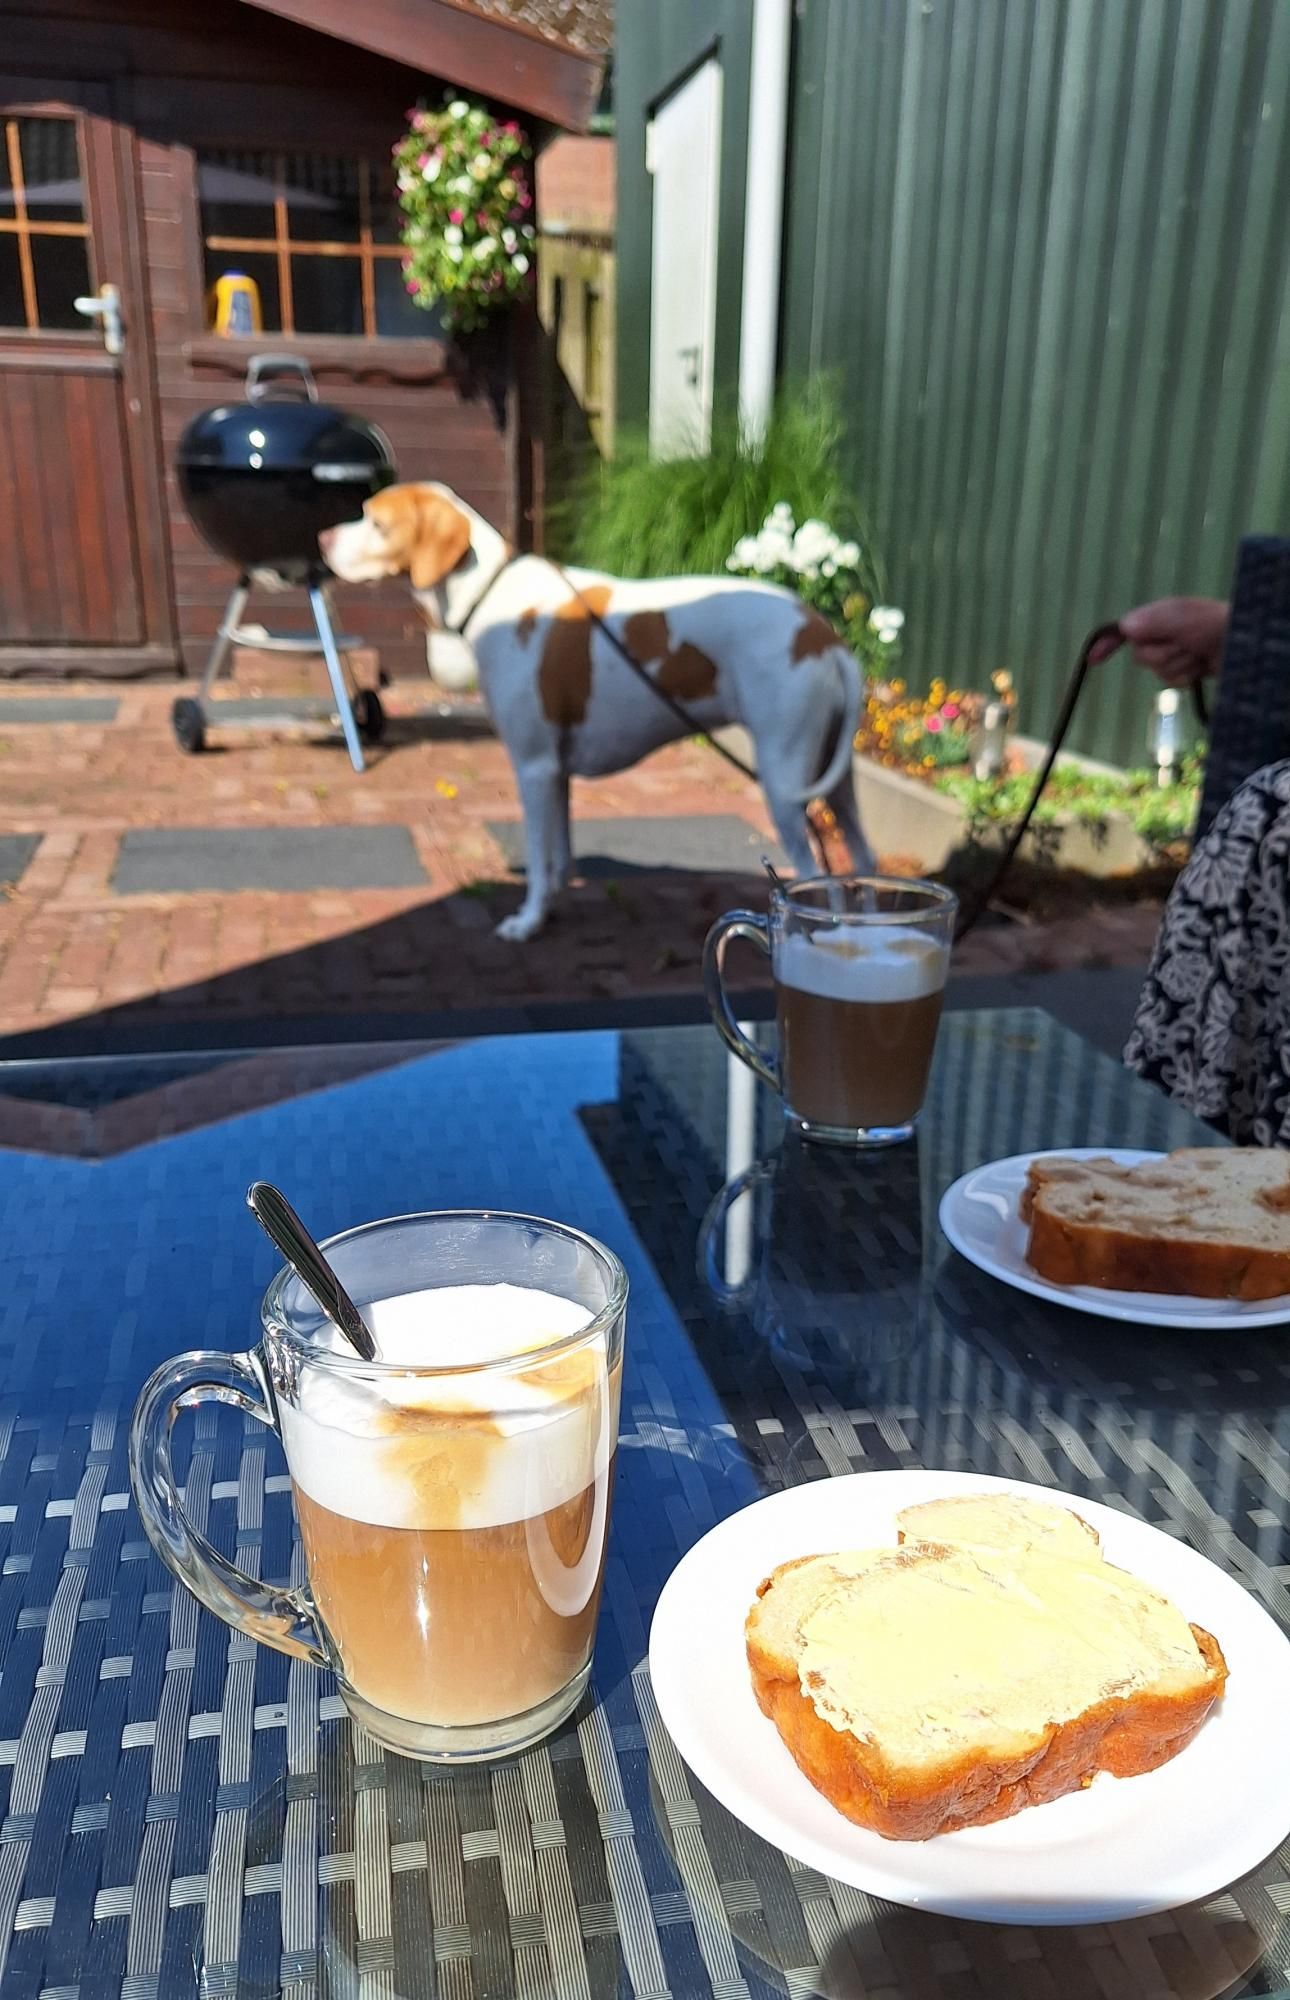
{"x": 979, "y": 1216}
{"x": 1124, "y": 1847}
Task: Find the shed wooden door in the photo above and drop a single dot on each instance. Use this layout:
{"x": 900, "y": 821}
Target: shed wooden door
{"x": 83, "y": 572}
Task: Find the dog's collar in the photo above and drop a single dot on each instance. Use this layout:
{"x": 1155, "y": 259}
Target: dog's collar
{"x": 459, "y": 629}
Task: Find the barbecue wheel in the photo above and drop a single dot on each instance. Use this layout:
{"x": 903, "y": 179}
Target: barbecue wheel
{"x": 369, "y": 715}
{"x": 189, "y": 725}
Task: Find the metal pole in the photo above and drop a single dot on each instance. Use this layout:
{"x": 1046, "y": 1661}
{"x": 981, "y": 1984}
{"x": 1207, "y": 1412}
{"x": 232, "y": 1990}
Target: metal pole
{"x": 336, "y": 672}
{"x": 228, "y": 627}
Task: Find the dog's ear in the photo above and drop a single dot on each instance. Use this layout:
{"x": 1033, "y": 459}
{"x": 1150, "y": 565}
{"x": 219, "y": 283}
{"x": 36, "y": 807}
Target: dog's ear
{"x": 442, "y": 539}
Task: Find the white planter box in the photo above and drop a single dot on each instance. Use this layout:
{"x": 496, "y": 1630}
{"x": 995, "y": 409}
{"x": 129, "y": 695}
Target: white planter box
{"x": 904, "y": 816}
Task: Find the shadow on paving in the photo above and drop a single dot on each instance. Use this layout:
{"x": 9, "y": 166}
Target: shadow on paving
{"x": 613, "y": 953}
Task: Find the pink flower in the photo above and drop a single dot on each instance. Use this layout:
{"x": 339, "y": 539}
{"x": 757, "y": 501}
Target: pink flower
{"x": 412, "y": 285}
{"x": 526, "y": 200}
{"x": 481, "y": 218}
{"x": 423, "y": 161}
{"x": 488, "y": 138}
{"x": 514, "y": 213}
{"x": 950, "y": 710}
{"x": 933, "y": 725}
{"x": 511, "y": 126}
{"x": 456, "y": 215}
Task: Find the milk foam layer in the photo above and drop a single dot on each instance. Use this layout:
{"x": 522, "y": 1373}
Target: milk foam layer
{"x": 444, "y": 1451}
{"x": 869, "y": 963}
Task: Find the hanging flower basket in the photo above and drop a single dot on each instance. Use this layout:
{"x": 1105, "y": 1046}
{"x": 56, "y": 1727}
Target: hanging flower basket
{"x": 465, "y": 188}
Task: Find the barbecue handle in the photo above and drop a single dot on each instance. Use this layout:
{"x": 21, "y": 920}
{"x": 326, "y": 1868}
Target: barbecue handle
{"x": 281, "y": 1618}
{"x": 264, "y": 366}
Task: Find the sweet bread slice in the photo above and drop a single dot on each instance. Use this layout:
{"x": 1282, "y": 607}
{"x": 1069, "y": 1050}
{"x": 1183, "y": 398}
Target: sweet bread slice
{"x": 1000, "y": 1521}
{"x": 1208, "y": 1222}
{"x": 930, "y": 1686}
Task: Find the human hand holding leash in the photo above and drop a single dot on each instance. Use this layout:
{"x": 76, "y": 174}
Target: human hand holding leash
{"x": 1179, "y": 639}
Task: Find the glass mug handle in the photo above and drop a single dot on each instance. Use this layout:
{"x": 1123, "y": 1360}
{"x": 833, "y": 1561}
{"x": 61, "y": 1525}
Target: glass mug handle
{"x": 735, "y": 924}
{"x": 749, "y": 1182}
{"x": 281, "y": 1618}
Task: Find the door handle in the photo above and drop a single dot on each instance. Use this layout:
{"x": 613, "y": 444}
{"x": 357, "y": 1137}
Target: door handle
{"x": 105, "y": 306}
{"x": 691, "y": 357}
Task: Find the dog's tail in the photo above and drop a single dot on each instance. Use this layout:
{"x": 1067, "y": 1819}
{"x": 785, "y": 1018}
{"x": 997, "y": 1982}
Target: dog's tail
{"x": 848, "y": 669}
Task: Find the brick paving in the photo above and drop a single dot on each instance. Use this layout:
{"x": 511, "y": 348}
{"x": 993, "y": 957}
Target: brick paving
{"x": 70, "y": 948}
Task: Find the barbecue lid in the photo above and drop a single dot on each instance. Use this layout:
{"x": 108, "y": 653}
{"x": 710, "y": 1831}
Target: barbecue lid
{"x": 270, "y": 433}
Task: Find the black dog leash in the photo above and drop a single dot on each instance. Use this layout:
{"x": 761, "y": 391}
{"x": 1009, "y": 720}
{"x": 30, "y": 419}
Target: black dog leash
{"x": 968, "y": 917}
{"x": 1074, "y": 688}
{"x": 689, "y": 721}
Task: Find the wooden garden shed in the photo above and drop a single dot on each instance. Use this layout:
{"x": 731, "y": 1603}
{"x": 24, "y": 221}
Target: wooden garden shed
{"x": 153, "y": 147}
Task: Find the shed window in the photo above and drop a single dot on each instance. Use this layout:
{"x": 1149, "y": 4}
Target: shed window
{"x": 318, "y": 235}
{"x": 44, "y": 235}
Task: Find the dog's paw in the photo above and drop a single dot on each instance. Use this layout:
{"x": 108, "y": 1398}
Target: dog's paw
{"x": 523, "y": 925}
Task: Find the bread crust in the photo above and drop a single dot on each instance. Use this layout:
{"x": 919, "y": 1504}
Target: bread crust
{"x": 1112, "y": 1259}
{"x": 1069, "y": 1250}
{"x": 1125, "y": 1735}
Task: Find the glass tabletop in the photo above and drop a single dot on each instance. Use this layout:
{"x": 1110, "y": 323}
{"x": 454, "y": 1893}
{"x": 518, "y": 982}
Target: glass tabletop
{"x": 185, "y": 1811}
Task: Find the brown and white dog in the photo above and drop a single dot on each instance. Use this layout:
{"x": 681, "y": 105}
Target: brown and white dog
{"x": 565, "y": 704}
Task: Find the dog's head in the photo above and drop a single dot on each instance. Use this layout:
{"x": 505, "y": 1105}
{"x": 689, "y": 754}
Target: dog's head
{"x": 418, "y": 531}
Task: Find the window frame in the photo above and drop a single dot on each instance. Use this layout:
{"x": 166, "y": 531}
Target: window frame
{"x": 283, "y": 246}
{"x": 21, "y": 226}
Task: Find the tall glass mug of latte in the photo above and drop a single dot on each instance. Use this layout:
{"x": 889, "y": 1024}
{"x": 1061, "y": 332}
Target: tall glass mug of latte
{"x": 452, "y": 1495}
{"x": 859, "y": 964}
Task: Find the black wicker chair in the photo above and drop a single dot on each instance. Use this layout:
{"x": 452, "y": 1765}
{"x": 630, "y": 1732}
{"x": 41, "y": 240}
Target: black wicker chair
{"x": 1250, "y": 722}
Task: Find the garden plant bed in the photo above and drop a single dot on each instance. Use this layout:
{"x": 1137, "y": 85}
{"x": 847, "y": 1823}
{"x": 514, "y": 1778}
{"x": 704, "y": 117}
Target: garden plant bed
{"x": 1077, "y": 827}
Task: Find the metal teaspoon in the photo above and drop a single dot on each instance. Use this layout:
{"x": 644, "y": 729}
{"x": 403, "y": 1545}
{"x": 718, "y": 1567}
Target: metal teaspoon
{"x": 284, "y": 1229}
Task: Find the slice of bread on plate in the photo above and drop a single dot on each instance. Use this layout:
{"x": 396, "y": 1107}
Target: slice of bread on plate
{"x": 1209, "y": 1222}
{"x": 945, "y": 1683}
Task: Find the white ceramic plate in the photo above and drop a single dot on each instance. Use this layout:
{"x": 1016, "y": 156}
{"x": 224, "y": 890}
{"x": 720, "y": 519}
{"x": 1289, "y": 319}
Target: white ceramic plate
{"x": 979, "y": 1216}
{"x": 1123, "y": 1848}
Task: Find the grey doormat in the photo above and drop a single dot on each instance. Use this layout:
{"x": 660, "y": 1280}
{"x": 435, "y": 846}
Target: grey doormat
{"x": 16, "y": 850}
{"x": 58, "y": 708}
{"x": 173, "y": 860}
{"x": 699, "y": 843}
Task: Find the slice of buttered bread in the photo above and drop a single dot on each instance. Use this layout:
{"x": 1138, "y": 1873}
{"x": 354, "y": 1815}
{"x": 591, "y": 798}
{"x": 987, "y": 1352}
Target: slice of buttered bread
{"x": 1000, "y": 1521}
{"x": 938, "y": 1685}
{"x": 1209, "y": 1222}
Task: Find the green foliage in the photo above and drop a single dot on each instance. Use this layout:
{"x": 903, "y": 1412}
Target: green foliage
{"x": 935, "y": 749}
{"x": 463, "y": 179}
{"x": 1159, "y": 814}
{"x": 635, "y": 515}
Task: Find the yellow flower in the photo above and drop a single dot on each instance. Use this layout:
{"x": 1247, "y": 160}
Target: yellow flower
{"x": 444, "y": 789}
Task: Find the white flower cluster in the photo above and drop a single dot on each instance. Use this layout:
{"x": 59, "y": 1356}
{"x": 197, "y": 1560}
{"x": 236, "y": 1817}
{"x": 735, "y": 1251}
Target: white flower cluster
{"x": 887, "y": 622}
{"x": 813, "y": 550}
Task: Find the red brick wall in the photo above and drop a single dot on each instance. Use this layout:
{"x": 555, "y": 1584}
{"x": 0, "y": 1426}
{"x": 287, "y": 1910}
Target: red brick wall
{"x": 575, "y": 182}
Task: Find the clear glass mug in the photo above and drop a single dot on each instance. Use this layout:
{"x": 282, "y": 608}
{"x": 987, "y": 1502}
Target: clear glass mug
{"x": 453, "y": 1519}
{"x": 859, "y": 964}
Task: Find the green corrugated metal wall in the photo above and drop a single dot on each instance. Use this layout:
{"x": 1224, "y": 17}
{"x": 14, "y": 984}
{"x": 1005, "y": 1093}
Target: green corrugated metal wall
{"x": 1045, "y": 244}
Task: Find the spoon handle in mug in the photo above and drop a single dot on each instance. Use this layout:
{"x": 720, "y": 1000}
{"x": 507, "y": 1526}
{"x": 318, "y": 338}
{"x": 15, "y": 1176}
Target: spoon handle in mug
{"x": 280, "y": 1223}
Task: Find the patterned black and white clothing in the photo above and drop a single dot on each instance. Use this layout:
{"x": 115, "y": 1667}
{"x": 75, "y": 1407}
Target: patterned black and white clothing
{"x": 1213, "y": 1022}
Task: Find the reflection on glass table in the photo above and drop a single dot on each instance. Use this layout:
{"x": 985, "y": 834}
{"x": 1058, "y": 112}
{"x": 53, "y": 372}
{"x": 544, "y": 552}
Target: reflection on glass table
{"x": 183, "y": 1806}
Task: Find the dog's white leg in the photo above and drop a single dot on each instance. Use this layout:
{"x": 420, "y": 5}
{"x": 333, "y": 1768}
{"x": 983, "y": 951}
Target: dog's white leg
{"x": 562, "y": 848}
{"x": 842, "y": 803}
{"x": 789, "y": 815}
{"x": 540, "y": 786}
